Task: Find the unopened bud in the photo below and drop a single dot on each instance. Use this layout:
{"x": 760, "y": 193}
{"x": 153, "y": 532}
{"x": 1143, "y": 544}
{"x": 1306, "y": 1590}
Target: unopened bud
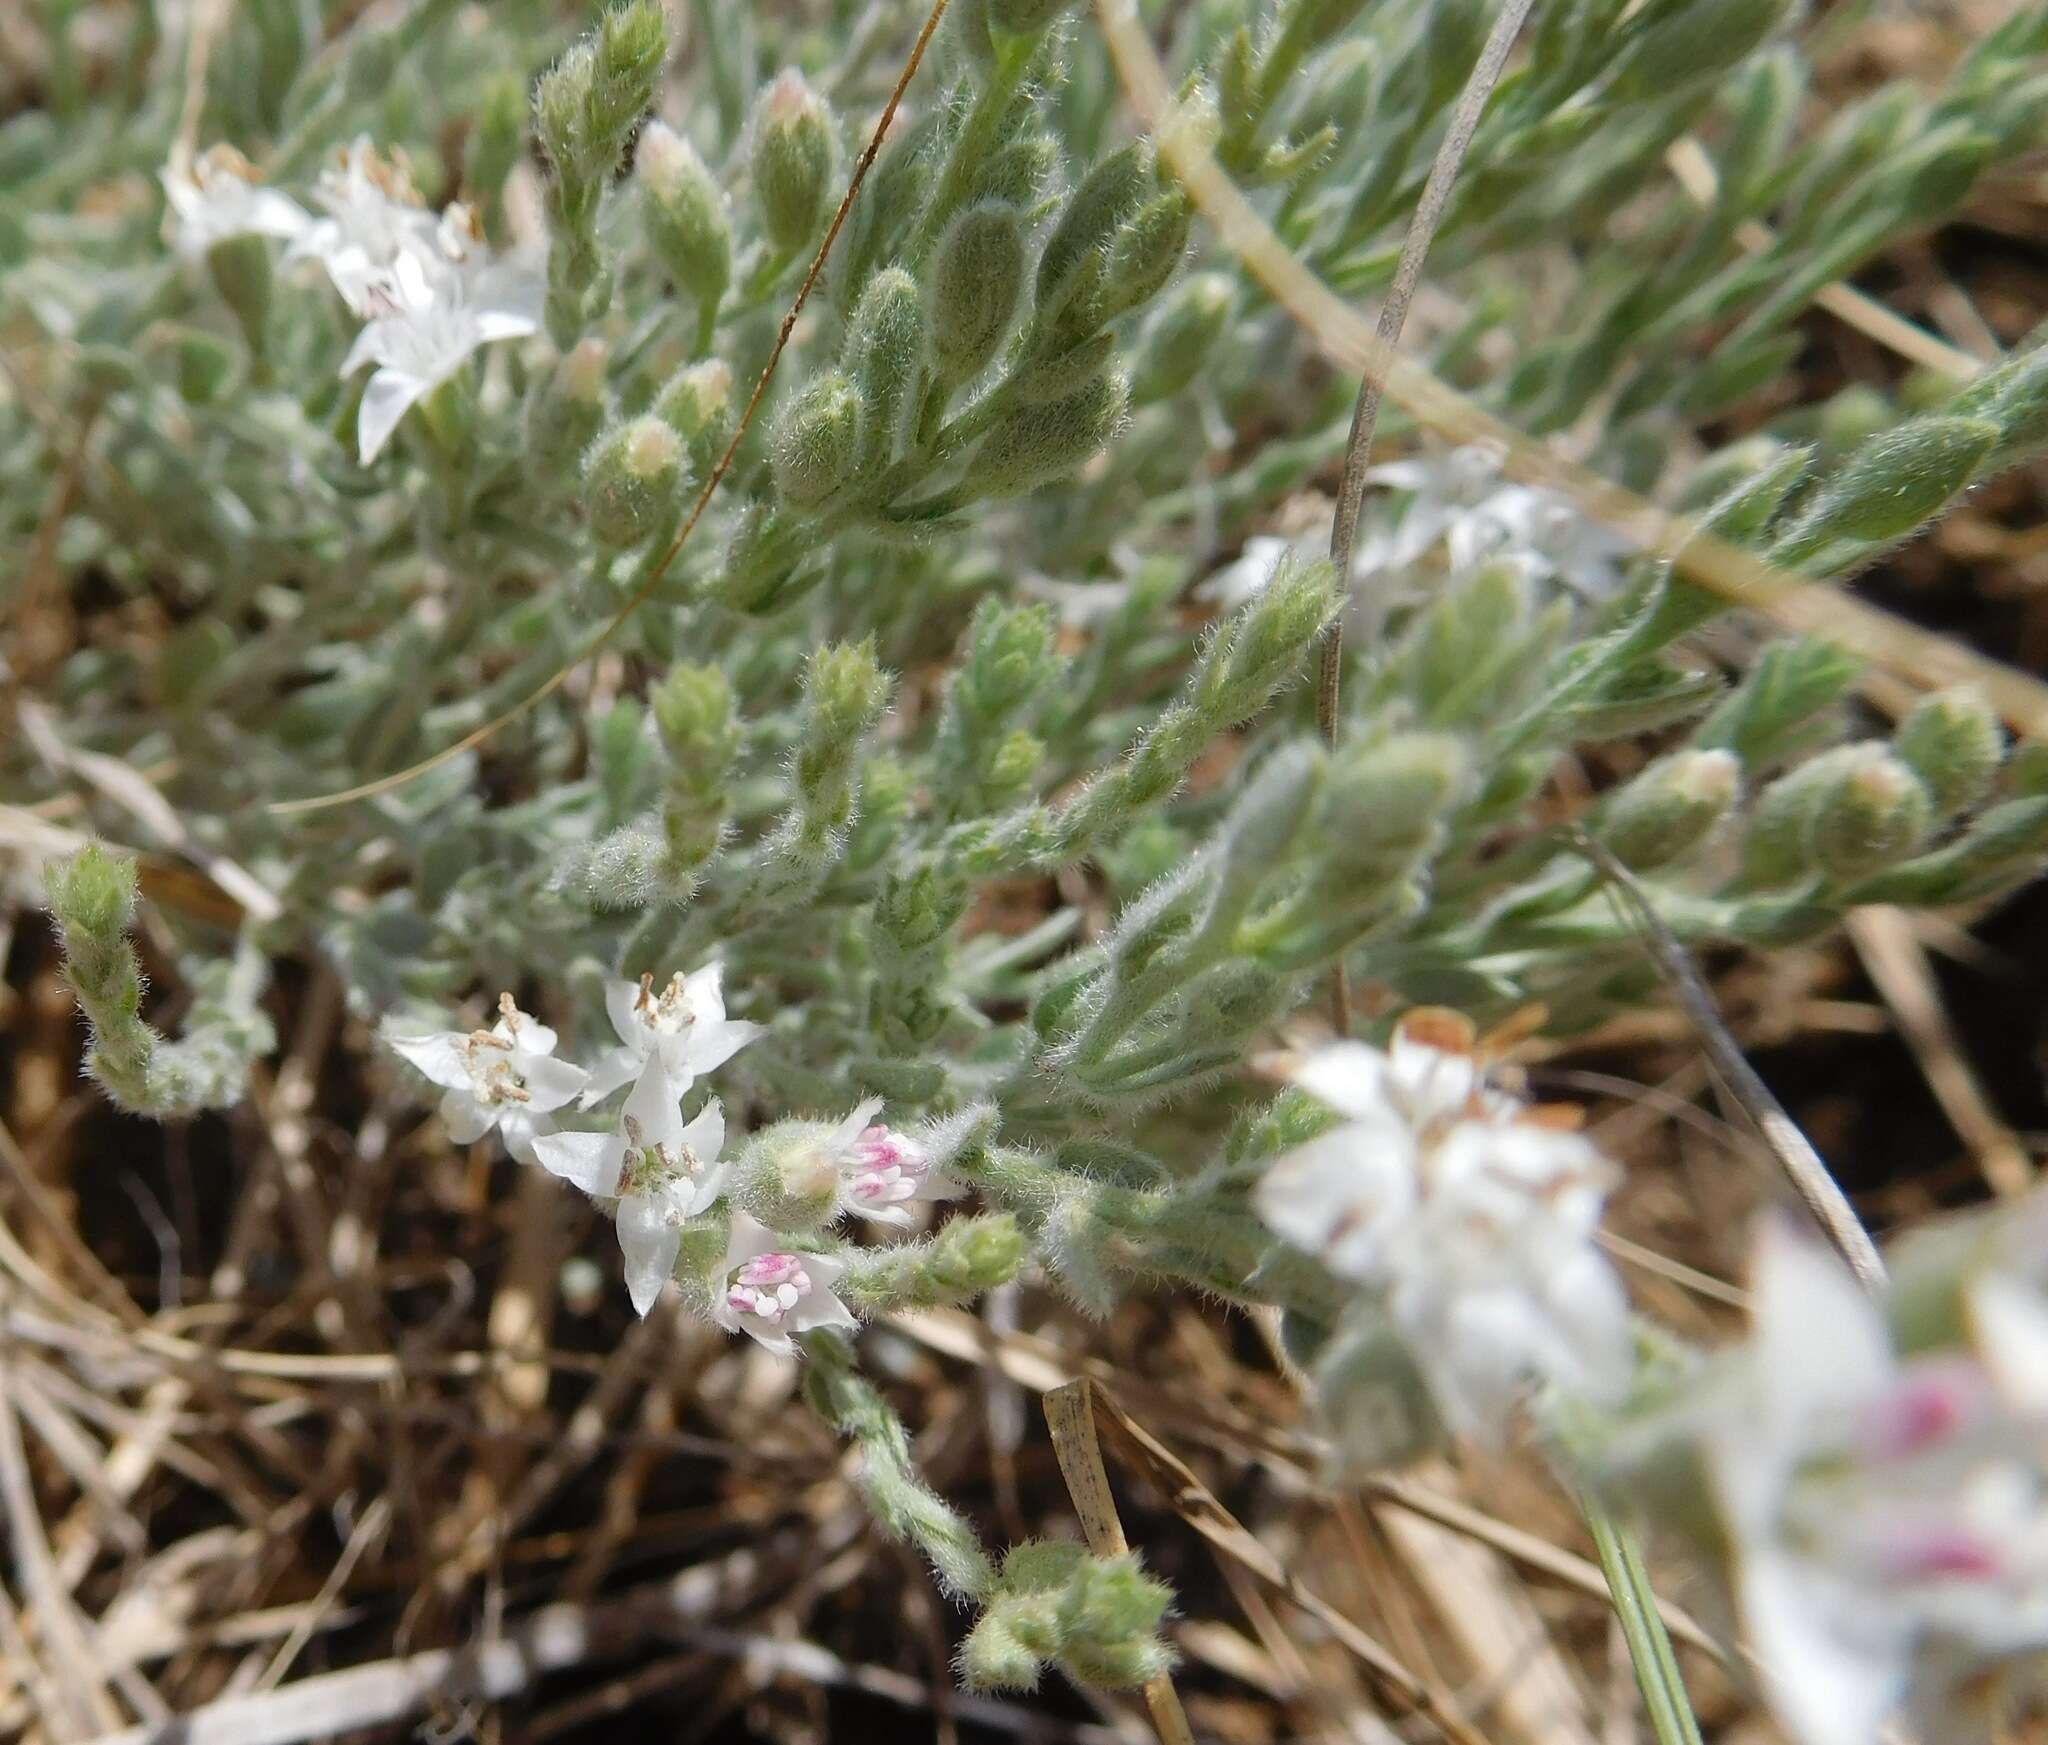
{"x": 2015, "y": 398}
{"x": 789, "y": 1176}
{"x": 1179, "y": 340}
{"x": 976, "y": 280}
{"x": 1147, "y": 252}
{"x": 1671, "y": 808}
{"x": 792, "y": 161}
{"x": 241, "y": 271}
{"x": 687, "y": 225}
{"x": 1035, "y": 445}
{"x": 1952, "y": 742}
{"x": 566, "y": 410}
{"x": 885, "y": 353}
{"x": 972, "y": 1255}
{"x": 697, "y": 405}
{"x": 1887, "y": 488}
{"x": 630, "y": 480}
{"x": 693, "y": 711}
{"x": 816, "y": 440}
{"x": 1876, "y": 814}
{"x": 1111, "y": 192}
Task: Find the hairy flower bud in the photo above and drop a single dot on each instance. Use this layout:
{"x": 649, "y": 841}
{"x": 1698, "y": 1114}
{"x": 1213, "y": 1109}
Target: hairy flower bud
{"x": 1035, "y": 445}
{"x": 566, "y": 410}
{"x": 687, "y": 224}
{"x": 1180, "y": 338}
{"x": 1952, "y": 742}
{"x": 792, "y": 161}
{"x": 1885, "y": 490}
{"x": 885, "y": 355}
{"x": 630, "y": 479}
{"x": 817, "y": 439}
{"x": 1875, "y": 814}
{"x": 1671, "y": 808}
{"x": 976, "y": 279}
{"x": 790, "y": 1177}
{"x": 696, "y": 403}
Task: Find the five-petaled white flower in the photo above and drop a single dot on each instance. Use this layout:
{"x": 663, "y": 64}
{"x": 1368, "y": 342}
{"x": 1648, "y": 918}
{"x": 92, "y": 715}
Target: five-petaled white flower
{"x": 662, "y": 1171}
{"x": 1886, "y": 1518}
{"x": 886, "y": 1172}
{"x": 1470, "y": 1217}
{"x": 374, "y": 215}
{"x": 217, "y": 197}
{"x": 683, "y": 1030}
{"x": 426, "y": 316}
{"x": 503, "y": 1077}
{"x": 772, "y": 1292}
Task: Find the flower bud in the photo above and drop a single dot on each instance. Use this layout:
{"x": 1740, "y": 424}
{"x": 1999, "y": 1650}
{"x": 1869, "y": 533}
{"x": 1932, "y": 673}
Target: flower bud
{"x": 687, "y": 225}
{"x": 976, "y": 279}
{"x": 972, "y": 1255}
{"x": 1095, "y": 210}
{"x": 1016, "y": 172}
{"x": 241, "y": 272}
{"x": 994, "y": 1658}
{"x": 789, "y": 1176}
{"x": 792, "y": 161}
{"x": 1372, "y": 1397}
{"x": 1952, "y": 742}
{"x": 693, "y": 712}
{"x": 885, "y": 355}
{"x": 1786, "y": 698}
{"x": 1147, "y": 252}
{"x": 1671, "y": 808}
{"x": 203, "y": 363}
{"x": 1886, "y": 489}
{"x": 1035, "y": 445}
{"x": 566, "y": 410}
{"x": 629, "y": 481}
{"x": 1107, "y": 1618}
{"x": 2015, "y": 398}
{"x": 1875, "y": 814}
{"x": 697, "y": 405}
{"x": 816, "y": 440}
{"x": 1180, "y": 338}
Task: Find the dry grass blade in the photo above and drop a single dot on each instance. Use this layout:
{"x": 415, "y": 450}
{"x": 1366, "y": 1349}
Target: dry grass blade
{"x": 640, "y": 595}
{"x": 1070, "y": 1415}
{"x": 1929, "y": 660}
{"x": 1196, "y": 1504}
{"x": 1803, "y": 1166}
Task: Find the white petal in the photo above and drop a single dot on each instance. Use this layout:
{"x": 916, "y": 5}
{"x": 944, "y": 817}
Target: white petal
{"x": 529, "y": 1033}
{"x": 440, "y": 1056}
{"x": 1343, "y": 1196}
{"x": 705, "y": 1134}
{"x": 496, "y": 324}
{"x": 466, "y": 1119}
{"x": 386, "y": 400}
{"x": 522, "y": 1130}
{"x": 1348, "y": 1076}
{"x": 711, "y": 1047}
{"x": 822, "y": 1309}
{"x": 275, "y": 214}
{"x": 1820, "y": 1343}
{"x": 590, "y": 1161}
{"x": 655, "y": 1107}
{"x": 549, "y": 1082}
{"x": 749, "y": 1237}
{"x": 855, "y": 1124}
{"x": 2009, "y": 1324}
{"x": 690, "y": 1197}
{"x": 617, "y": 1068}
{"x": 1827, "y": 1689}
{"x": 622, "y": 1003}
{"x": 649, "y": 1243}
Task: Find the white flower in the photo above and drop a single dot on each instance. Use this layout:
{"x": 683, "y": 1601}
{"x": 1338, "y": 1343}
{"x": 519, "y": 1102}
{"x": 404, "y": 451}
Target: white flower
{"x": 773, "y": 1293}
{"x": 1887, "y": 1519}
{"x": 664, "y": 1173}
{"x": 1443, "y": 489}
{"x": 886, "y": 1172}
{"x": 683, "y": 1029}
{"x": 373, "y": 216}
{"x": 217, "y": 197}
{"x": 1543, "y": 532}
{"x": 503, "y": 1077}
{"x": 426, "y": 316}
{"x": 1473, "y": 1222}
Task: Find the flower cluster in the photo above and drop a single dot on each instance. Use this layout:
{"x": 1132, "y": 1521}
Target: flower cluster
{"x": 661, "y": 1173}
{"x": 1876, "y": 1510}
{"x": 428, "y": 289}
{"x": 1453, "y": 507}
{"x": 1467, "y": 1215}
